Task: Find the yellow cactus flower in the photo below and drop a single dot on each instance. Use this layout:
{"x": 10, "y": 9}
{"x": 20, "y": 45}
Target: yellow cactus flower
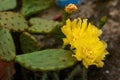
{"x": 71, "y": 8}
{"x": 85, "y": 43}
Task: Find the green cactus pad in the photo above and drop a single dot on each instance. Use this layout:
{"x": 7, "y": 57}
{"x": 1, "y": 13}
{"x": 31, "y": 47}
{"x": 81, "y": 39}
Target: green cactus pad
{"x": 31, "y": 7}
{"x": 47, "y": 60}
{"x": 13, "y": 21}
{"x": 7, "y": 48}
{"x": 29, "y": 43}
{"x": 39, "y": 25}
{"x": 7, "y": 4}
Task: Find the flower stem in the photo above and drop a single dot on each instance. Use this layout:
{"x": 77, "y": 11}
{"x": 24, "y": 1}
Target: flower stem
{"x": 56, "y": 77}
{"x": 8, "y": 73}
{"x": 84, "y": 73}
{"x": 45, "y": 76}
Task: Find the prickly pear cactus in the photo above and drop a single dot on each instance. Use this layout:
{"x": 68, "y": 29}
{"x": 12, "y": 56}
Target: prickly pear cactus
{"x": 31, "y": 7}
{"x": 39, "y": 25}
{"x": 47, "y": 60}
{"x": 29, "y": 43}
{"x": 13, "y": 21}
{"x": 7, "y": 4}
{"x": 7, "y": 48}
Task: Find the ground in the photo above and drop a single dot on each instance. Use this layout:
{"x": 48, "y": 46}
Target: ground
{"x": 94, "y": 9}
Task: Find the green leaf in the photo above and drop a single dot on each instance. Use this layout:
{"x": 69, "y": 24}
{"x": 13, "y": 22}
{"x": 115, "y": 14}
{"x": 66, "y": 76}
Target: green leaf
{"x": 39, "y": 25}
{"x": 31, "y": 7}
{"x": 7, "y": 4}
{"x": 7, "y": 47}
{"x": 13, "y": 21}
{"x": 29, "y": 43}
{"x": 47, "y": 60}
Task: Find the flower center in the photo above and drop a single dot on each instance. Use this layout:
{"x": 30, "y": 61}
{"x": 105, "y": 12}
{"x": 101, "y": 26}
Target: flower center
{"x": 88, "y": 53}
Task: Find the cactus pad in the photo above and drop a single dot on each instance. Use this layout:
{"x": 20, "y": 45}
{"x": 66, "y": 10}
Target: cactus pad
{"x": 47, "y": 60}
{"x": 7, "y": 4}
{"x": 7, "y": 48}
{"x": 31, "y": 7}
{"x": 42, "y": 25}
{"x": 13, "y": 21}
{"x": 29, "y": 43}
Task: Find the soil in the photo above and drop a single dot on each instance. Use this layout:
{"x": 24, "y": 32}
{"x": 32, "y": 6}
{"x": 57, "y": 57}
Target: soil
{"x": 94, "y": 10}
